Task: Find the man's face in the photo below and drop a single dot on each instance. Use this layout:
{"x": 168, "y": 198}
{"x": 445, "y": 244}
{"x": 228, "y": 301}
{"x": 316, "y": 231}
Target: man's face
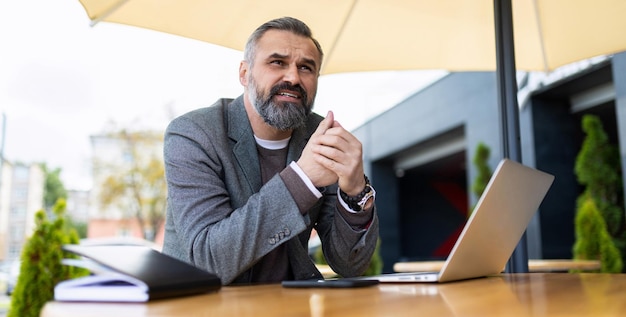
{"x": 282, "y": 83}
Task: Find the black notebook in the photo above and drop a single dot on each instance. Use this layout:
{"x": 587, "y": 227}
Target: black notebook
{"x": 131, "y": 273}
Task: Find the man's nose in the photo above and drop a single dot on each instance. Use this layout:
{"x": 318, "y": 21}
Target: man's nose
{"x": 292, "y": 75}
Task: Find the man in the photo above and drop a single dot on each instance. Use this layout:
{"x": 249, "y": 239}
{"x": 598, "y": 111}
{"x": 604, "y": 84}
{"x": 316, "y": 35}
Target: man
{"x": 248, "y": 179}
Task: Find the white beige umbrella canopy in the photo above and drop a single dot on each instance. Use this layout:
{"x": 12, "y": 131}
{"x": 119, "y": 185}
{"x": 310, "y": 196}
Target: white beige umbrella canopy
{"x": 371, "y": 35}
{"x": 374, "y": 35}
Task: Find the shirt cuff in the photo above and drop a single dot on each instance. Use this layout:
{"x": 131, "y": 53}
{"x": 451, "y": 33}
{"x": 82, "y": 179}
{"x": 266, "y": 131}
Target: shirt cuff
{"x": 305, "y": 179}
{"x": 343, "y": 203}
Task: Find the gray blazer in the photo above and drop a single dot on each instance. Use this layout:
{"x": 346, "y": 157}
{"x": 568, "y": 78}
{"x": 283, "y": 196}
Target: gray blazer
{"x": 220, "y": 217}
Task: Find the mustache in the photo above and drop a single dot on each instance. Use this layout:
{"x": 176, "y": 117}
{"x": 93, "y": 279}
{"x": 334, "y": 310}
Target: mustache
{"x": 287, "y": 86}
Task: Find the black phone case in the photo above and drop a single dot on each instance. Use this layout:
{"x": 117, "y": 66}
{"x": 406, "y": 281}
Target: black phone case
{"x": 339, "y": 283}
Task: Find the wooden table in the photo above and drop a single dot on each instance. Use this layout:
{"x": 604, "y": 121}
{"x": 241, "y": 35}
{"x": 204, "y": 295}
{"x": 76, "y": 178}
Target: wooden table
{"x": 511, "y": 295}
{"x": 533, "y": 266}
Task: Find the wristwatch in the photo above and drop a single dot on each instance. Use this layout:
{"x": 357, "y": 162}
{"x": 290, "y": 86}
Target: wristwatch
{"x": 358, "y": 202}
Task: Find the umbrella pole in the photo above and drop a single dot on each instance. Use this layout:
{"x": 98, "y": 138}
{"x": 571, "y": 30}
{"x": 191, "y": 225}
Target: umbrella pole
{"x": 509, "y": 110}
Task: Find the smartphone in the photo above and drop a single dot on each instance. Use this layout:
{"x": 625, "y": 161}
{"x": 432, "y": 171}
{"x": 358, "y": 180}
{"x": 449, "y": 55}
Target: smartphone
{"x": 337, "y": 283}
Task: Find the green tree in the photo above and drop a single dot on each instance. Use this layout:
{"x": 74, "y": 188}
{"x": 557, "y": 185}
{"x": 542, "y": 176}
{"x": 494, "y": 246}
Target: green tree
{"x": 136, "y": 185}
{"x": 593, "y": 241}
{"x": 481, "y": 162}
{"x": 41, "y": 267}
{"x": 598, "y": 169}
{"x": 53, "y": 187}
{"x": 79, "y": 227}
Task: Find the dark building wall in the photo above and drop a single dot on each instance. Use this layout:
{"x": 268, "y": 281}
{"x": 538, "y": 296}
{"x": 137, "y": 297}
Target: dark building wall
{"x": 463, "y": 106}
{"x": 388, "y": 212}
{"x": 464, "y": 102}
{"x": 619, "y": 79}
{"x": 557, "y": 140}
{"x": 444, "y": 105}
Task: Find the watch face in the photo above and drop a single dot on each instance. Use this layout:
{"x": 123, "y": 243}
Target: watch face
{"x": 369, "y": 194}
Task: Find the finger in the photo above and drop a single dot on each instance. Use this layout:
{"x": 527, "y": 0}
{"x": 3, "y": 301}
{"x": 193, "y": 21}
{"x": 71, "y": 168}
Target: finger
{"x": 336, "y": 124}
{"x": 340, "y": 133}
{"x": 345, "y": 172}
{"x": 325, "y": 124}
{"x": 342, "y": 139}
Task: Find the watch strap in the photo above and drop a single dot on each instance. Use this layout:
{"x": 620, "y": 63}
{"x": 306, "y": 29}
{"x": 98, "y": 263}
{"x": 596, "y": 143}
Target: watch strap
{"x": 358, "y": 202}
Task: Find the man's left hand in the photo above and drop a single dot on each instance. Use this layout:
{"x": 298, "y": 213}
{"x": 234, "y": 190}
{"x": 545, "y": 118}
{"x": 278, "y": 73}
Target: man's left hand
{"x": 342, "y": 153}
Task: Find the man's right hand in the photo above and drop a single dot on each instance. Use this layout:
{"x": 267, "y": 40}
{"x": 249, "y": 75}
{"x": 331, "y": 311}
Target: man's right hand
{"x": 319, "y": 175}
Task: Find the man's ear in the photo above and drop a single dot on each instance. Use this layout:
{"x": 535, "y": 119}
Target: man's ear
{"x": 243, "y": 73}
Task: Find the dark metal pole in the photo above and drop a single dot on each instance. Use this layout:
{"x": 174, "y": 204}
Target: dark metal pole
{"x": 509, "y": 110}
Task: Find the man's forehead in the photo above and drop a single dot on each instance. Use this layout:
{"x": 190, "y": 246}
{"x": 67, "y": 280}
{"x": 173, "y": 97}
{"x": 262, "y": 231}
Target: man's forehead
{"x": 287, "y": 43}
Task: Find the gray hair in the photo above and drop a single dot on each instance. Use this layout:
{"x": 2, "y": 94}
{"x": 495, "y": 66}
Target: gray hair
{"x": 290, "y": 24}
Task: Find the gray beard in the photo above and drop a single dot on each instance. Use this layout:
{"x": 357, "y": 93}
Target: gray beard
{"x": 283, "y": 116}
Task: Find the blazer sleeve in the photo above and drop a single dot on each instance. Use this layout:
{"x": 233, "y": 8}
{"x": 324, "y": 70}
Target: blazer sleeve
{"x": 348, "y": 248}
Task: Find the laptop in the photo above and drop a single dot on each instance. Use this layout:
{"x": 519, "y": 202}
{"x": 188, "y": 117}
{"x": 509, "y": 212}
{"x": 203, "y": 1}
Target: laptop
{"x": 494, "y": 229}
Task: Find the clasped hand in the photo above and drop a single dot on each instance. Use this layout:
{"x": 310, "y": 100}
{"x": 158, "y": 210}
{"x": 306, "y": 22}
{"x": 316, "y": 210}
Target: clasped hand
{"x": 333, "y": 155}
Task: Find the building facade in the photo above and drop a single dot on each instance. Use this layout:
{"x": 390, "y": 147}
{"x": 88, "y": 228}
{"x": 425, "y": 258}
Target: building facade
{"x": 419, "y": 154}
{"x": 123, "y": 161}
{"x": 21, "y": 196}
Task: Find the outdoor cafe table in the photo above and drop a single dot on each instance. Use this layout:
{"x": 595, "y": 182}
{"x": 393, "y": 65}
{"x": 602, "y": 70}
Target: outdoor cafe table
{"x": 520, "y": 294}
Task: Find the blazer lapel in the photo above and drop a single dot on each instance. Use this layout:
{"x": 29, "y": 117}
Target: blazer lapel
{"x": 244, "y": 149}
{"x": 296, "y": 145}
{"x": 240, "y": 131}
{"x": 300, "y": 137}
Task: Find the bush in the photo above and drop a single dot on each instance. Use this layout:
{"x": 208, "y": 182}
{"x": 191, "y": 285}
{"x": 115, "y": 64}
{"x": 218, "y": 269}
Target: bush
{"x": 598, "y": 169}
{"x": 481, "y": 162}
{"x": 593, "y": 241}
{"x": 41, "y": 267}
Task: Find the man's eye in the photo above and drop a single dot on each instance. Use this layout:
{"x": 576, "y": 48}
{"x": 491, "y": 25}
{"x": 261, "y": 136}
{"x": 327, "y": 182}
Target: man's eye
{"x": 306, "y": 68}
{"x": 277, "y": 62}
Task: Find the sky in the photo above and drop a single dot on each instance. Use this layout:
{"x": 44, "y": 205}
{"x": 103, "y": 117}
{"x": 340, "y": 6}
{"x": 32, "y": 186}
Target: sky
{"x": 62, "y": 80}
